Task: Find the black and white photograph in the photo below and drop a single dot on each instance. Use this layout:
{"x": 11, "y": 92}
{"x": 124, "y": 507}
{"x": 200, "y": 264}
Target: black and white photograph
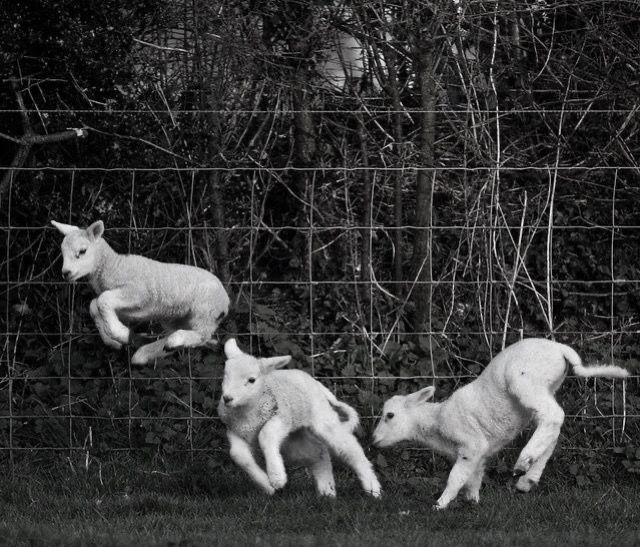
{"x": 334, "y": 273}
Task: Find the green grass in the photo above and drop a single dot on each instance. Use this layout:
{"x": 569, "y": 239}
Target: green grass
{"x": 196, "y": 506}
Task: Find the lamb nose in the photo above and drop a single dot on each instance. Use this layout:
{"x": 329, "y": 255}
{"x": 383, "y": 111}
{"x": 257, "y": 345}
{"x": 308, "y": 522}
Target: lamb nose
{"x": 227, "y": 399}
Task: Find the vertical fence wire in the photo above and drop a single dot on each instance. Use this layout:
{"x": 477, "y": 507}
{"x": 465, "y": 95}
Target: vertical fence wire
{"x": 310, "y": 247}
{"x": 189, "y": 353}
{"x": 252, "y": 234}
{"x": 130, "y": 232}
{"x": 70, "y": 337}
{"x": 369, "y": 277}
{"x": 617, "y": 413}
{"x": 7, "y": 339}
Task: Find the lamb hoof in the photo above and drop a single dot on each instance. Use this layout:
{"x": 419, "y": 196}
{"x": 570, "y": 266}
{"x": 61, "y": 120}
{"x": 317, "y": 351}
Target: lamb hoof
{"x": 375, "y": 490}
{"x": 138, "y": 359}
{"x": 277, "y": 481}
{"x": 121, "y": 336}
{"x": 522, "y": 465}
{"x": 113, "y": 343}
{"x": 174, "y": 341}
{"x": 524, "y": 484}
{"x": 438, "y": 507}
{"x": 327, "y": 493}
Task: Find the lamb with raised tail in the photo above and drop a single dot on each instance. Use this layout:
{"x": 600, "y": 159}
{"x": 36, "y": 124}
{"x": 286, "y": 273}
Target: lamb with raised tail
{"x": 480, "y": 418}
{"x": 187, "y": 301}
{"x": 287, "y": 414}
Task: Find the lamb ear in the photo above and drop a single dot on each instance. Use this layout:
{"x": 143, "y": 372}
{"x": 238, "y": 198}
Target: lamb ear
{"x": 96, "y": 230}
{"x": 422, "y": 396}
{"x": 64, "y": 228}
{"x": 267, "y": 364}
{"x": 231, "y": 349}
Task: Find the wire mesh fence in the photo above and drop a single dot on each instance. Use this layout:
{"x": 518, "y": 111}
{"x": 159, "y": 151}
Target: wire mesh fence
{"x": 514, "y": 252}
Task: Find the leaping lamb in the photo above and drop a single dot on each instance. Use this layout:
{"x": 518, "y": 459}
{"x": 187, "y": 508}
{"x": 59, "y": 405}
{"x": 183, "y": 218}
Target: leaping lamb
{"x": 287, "y": 413}
{"x": 187, "y": 301}
{"x": 480, "y": 418}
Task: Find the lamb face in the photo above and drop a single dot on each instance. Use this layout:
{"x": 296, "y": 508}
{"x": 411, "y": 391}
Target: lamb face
{"x": 244, "y": 375}
{"x": 242, "y": 382}
{"x": 79, "y": 250}
{"x": 397, "y": 423}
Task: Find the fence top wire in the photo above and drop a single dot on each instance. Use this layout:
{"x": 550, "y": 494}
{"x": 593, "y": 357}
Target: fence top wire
{"x": 339, "y": 169}
{"x": 378, "y": 111}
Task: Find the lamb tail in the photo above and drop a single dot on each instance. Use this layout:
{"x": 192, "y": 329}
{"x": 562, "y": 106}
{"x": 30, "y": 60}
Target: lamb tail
{"x": 348, "y": 415}
{"x": 611, "y": 371}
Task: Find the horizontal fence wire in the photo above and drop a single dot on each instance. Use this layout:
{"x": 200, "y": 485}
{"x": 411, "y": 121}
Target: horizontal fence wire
{"x": 50, "y": 339}
{"x": 200, "y": 112}
{"x": 549, "y": 168}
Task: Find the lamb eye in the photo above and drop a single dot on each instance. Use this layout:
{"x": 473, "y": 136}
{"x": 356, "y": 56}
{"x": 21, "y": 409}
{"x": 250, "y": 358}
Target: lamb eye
{"x": 81, "y": 252}
{"x": 251, "y": 380}
{"x": 390, "y": 415}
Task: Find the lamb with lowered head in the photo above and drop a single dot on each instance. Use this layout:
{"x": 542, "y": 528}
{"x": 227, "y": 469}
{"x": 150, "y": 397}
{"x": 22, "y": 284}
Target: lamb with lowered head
{"x": 480, "y": 418}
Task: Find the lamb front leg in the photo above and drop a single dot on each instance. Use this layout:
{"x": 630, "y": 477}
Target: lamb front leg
{"x": 466, "y": 464}
{"x": 472, "y": 488}
{"x": 271, "y": 437}
{"x": 241, "y": 454}
{"x": 113, "y": 333}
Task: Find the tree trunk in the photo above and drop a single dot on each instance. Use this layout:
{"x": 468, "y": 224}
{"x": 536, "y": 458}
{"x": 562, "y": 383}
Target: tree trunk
{"x": 421, "y": 262}
{"x": 367, "y": 219}
{"x": 394, "y": 91}
{"x": 212, "y": 139}
{"x": 300, "y": 19}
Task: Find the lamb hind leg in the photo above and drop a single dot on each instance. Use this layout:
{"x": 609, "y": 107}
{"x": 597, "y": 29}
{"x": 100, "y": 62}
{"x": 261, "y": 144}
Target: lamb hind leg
{"x": 149, "y": 352}
{"x": 322, "y": 472}
{"x": 196, "y": 331}
{"x": 345, "y": 446}
{"x": 186, "y": 339}
{"x": 549, "y": 417}
{"x": 532, "y": 477}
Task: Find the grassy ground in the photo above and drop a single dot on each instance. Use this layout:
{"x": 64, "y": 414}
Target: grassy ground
{"x": 199, "y": 507}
